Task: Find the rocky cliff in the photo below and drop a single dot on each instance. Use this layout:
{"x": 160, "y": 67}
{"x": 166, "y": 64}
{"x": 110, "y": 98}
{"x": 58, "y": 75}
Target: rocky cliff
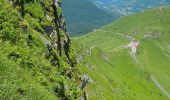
{"x": 37, "y": 59}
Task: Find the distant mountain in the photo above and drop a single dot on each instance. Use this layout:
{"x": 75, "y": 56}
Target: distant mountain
{"x": 126, "y": 7}
{"x": 82, "y": 16}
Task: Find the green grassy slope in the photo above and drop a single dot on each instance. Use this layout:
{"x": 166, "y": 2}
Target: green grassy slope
{"x": 31, "y": 67}
{"x": 118, "y": 75}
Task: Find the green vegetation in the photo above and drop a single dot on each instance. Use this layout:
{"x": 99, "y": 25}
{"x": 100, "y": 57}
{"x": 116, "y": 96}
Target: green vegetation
{"x": 38, "y": 61}
{"x": 31, "y": 67}
{"x": 116, "y": 74}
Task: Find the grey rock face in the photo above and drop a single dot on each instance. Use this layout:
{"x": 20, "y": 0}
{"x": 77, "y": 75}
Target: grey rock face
{"x": 85, "y": 79}
{"x": 80, "y": 58}
{"x": 49, "y": 29}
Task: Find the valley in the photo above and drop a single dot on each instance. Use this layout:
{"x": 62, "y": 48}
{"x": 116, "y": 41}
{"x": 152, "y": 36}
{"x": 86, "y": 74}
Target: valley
{"x": 82, "y": 16}
{"x": 119, "y": 75}
{"x": 84, "y": 50}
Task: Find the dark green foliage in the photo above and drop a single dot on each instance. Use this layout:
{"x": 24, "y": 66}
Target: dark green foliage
{"x": 34, "y": 9}
{"x": 14, "y": 56}
{"x": 9, "y": 25}
{"x": 82, "y": 16}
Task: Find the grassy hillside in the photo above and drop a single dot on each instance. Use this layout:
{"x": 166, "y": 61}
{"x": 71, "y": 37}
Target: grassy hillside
{"x": 37, "y": 61}
{"x": 118, "y": 75}
{"x": 82, "y": 16}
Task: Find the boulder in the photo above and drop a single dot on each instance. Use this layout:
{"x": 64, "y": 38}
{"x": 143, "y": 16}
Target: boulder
{"x": 85, "y": 79}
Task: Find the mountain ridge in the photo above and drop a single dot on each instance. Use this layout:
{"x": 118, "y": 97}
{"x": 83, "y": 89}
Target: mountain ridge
{"x": 80, "y": 19}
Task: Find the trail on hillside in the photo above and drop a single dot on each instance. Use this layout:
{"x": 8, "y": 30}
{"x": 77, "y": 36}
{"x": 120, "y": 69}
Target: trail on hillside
{"x": 129, "y": 37}
{"x": 136, "y": 60}
{"x": 91, "y": 48}
{"x": 118, "y": 48}
{"x": 154, "y": 80}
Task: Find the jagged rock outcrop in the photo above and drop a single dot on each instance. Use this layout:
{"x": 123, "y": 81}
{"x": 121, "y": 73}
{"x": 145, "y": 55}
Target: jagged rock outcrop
{"x": 85, "y": 79}
{"x": 56, "y": 30}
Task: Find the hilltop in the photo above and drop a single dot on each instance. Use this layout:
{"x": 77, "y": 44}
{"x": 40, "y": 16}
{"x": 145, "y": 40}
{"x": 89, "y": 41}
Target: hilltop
{"x": 116, "y": 74}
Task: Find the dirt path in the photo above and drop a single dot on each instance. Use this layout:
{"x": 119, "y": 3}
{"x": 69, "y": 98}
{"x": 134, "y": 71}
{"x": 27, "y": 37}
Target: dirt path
{"x": 91, "y": 48}
{"x": 129, "y": 37}
{"x": 118, "y": 48}
{"x": 135, "y": 59}
{"x": 154, "y": 80}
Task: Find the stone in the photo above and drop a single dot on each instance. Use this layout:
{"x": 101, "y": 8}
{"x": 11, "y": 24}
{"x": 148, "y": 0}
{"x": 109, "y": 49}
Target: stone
{"x": 49, "y": 29}
{"x": 85, "y": 79}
